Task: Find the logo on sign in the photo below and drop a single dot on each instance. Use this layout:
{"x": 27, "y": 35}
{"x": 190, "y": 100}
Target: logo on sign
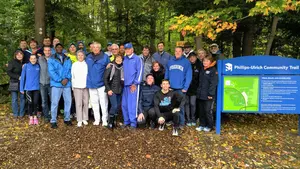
{"x": 228, "y": 67}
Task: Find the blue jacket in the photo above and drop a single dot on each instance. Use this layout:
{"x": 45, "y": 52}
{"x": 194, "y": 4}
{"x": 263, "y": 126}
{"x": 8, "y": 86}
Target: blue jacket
{"x": 162, "y": 58}
{"x": 96, "y": 68}
{"x": 59, "y": 71}
{"x": 133, "y": 70}
{"x": 30, "y": 77}
{"x": 179, "y": 73}
{"x": 146, "y": 97}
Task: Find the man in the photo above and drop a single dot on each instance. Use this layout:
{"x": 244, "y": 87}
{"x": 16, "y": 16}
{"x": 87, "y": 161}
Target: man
{"x": 72, "y": 52}
{"x": 59, "y": 69}
{"x": 54, "y": 42}
{"x": 188, "y": 49}
{"x": 45, "y": 82}
{"x": 146, "y": 104}
{"x": 46, "y": 43}
{"x": 147, "y": 61}
{"x": 90, "y": 45}
{"x": 179, "y": 73}
{"x": 122, "y": 50}
{"x": 80, "y": 46}
{"x": 133, "y": 74}
{"x": 161, "y": 56}
{"x": 114, "y": 51}
{"x": 108, "y": 48}
{"x": 97, "y": 62}
{"x": 24, "y": 48}
{"x": 166, "y": 105}
{"x": 216, "y": 52}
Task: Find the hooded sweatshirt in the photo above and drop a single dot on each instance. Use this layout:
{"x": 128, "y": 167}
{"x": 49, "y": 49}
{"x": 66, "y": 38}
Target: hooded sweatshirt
{"x": 208, "y": 80}
{"x": 30, "y": 77}
{"x": 179, "y": 73}
{"x": 166, "y": 102}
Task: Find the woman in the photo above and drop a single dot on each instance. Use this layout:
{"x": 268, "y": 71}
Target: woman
{"x": 72, "y": 52}
{"x": 79, "y": 74}
{"x": 158, "y": 72}
{"x": 113, "y": 80}
{"x": 201, "y": 53}
{"x": 30, "y": 82}
{"x": 14, "y": 71}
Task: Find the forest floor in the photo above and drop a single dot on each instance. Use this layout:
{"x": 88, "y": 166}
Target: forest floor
{"x": 247, "y": 141}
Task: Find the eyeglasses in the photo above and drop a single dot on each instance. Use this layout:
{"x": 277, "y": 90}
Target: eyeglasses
{"x": 114, "y": 49}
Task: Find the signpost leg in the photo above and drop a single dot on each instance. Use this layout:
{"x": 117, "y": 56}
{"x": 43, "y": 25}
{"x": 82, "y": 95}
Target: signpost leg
{"x": 219, "y": 98}
{"x": 299, "y": 125}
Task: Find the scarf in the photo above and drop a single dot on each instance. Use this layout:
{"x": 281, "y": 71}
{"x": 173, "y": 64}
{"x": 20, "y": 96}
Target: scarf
{"x": 113, "y": 70}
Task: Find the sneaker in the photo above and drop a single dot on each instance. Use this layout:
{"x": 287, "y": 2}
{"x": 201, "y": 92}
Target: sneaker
{"x": 194, "y": 124}
{"x": 169, "y": 123}
{"x": 85, "y": 122}
{"x": 31, "y": 121}
{"x": 68, "y": 123}
{"x": 175, "y": 132}
{"x": 206, "y": 129}
{"x": 181, "y": 127}
{"x": 54, "y": 125}
{"x": 189, "y": 124}
{"x": 200, "y": 128}
{"x": 161, "y": 127}
{"x": 39, "y": 114}
{"x": 35, "y": 121}
{"x": 132, "y": 129}
{"x": 79, "y": 124}
{"x": 104, "y": 124}
{"x": 96, "y": 123}
{"x": 124, "y": 126}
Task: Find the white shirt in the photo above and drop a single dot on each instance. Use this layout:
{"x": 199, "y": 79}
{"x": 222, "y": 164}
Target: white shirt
{"x": 79, "y": 74}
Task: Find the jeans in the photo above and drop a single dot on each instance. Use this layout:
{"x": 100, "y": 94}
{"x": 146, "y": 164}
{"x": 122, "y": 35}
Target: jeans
{"x": 15, "y": 105}
{"x": 182, "y": 104}
{"x": 45, "y": 94}
{"x": 33, "y": 102}
{"x": 190, "y": 108}
{"x": 149, "y": 115}
{"x": 55, "y": 97}
{"x": 115, "y": 101}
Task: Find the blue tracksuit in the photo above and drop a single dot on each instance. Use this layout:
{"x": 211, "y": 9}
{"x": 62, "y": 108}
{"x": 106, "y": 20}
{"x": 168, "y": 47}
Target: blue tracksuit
{"x": 163, "y": 58}
{"x": 30, "y": 77}
{"x": 179, "y": 72}
{"x": 59, "y": 71}
{"x": 133, "y": 74}
{"x": 96, "y": 68}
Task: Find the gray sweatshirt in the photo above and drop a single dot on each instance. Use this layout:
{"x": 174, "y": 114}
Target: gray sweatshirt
{"x": 44, "y": 76}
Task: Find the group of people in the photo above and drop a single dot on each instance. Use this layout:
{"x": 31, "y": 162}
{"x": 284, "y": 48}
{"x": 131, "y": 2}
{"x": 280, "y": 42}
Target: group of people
{"x": 149, "y": 90}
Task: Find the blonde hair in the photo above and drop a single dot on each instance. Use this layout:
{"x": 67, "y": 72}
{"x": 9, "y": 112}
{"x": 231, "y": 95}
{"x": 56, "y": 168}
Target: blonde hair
{"x": 97, "y": 44}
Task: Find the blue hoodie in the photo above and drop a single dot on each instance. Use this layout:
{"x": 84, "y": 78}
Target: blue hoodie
{"x": 59, "y": 71}
{"x": 30, "y": 77}
{"x": 133, "y": 70}
{"x": 96, "y": 68}
{"x": 179, "y": 73}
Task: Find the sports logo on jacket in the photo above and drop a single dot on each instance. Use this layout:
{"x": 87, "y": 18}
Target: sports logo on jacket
{"x": 176, "y": 67}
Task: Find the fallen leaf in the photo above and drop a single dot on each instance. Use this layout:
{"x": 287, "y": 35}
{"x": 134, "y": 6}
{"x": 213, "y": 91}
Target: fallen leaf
{"x": 148, "y": 156}
{"x": 77, "y": 156}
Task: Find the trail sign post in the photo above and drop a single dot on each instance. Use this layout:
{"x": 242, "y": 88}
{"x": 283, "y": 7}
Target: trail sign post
{"x": 258, "y": 84}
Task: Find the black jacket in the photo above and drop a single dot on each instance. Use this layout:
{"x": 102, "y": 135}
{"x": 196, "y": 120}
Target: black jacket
{"x": 208, "y": 80}
{"x": 146, "y": 97}
{"x": 164, "y": 103}
{"x": 14, "y": 70}
{"x": 115, "y": 84}
{"x": 196, "y": 67}
{"x": 158, "y": 76}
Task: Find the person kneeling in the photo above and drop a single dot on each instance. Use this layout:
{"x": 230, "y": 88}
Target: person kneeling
{"x": 167, "y": 106}
{"x": 146, "y": 104}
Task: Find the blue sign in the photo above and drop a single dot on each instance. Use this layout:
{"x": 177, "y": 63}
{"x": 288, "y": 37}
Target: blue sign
{"x": 258, "y": 84}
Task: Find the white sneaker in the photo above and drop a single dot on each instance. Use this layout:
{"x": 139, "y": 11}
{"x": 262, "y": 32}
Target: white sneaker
{"x": 200, "y": 128}
{"x": 85, "y": 122}
{"x": 79, "y": 124}
{"x": 161, "y": 127}
{"x": 104, "y": 124}
{"x": 206, "y": 129}
{"x": 96, "y": 123}
{"x": 175, "y": 132}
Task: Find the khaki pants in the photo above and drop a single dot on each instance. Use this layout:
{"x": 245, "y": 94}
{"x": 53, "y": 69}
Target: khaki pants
{"x": 82, "y": 103}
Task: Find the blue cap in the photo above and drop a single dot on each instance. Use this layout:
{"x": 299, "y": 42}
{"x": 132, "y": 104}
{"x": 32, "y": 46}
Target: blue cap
{"x": 109, "y": 44}
{"x": 128, "y": 45}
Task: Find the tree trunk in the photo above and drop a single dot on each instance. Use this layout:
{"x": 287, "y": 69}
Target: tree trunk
{"x": 181, "y": 37}
{"x": 199, "y": 42}
{"x": 107, "y": 19}
{"x": 272, "y": 35}
{"x": 153, "y": 28}
{"x": 237, "y": 44}
{"x": 248, "y": 40}
{"x": 39, "y": 19}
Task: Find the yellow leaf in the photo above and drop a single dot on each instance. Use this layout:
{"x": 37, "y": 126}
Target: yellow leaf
{"x": 89, "y": 157}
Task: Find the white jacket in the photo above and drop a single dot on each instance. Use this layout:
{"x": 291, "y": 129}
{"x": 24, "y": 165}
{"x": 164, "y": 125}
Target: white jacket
{"x": 79, "y": 74}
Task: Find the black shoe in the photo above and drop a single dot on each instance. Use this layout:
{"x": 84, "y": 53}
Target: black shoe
{"x": 132, "y": 129}
{"x": 123, "y": 126}
{"x": 152, "y": 125}
{"x": 68, "y": 123}
{"x": 54, "y": 125}
{"x": 111, "y": 123}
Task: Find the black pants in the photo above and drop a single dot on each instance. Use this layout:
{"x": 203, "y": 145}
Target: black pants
{"x": 206, "y": 113}
{"x": 33, "y": 98}
{"x": 148, "y": 116}
{"x": 169, "y": 116}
